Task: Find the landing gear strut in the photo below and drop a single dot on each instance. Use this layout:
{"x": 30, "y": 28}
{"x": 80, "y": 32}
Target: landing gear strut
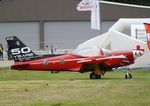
{"x": 128, "y": 75}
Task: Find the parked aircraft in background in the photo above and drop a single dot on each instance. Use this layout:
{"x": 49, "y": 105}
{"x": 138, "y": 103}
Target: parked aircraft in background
{"x": 26, "y": 59}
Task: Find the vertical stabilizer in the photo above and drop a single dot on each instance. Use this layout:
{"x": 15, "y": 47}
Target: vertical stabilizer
{"x": 19, "y": 51}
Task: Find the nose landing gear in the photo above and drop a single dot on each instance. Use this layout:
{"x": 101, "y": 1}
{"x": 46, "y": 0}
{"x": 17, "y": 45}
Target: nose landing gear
{"x": 128, "y": 75}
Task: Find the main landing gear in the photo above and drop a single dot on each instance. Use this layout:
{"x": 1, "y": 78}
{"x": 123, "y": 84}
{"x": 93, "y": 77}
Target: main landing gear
{"x": 95, "y": 76}
{"x": 98, "y": 73}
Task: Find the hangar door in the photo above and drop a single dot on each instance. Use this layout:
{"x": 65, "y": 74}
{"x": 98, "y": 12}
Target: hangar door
{"x": 28, "y": 32}
{"x": 67, "y": 35}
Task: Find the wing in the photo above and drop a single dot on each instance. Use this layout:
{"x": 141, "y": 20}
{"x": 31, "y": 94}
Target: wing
{"x": 100, "y": 59}
{"x": 102, "y": 63}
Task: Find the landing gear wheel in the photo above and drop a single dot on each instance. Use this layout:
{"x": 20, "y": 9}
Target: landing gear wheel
{"x": 128, "y": 76}
{"x": 94, "y": 76}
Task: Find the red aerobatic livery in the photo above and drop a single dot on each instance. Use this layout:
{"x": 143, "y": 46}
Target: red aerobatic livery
{"x": 147, "y": 29}
{"x": 26, "y": 59}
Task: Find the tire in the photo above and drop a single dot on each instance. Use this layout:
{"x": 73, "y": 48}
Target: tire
{"x": 93, "y": 76}
{"x": 128, "y": 76}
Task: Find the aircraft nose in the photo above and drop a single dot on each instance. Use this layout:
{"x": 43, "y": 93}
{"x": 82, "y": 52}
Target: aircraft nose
{"x": 138, "y": 53}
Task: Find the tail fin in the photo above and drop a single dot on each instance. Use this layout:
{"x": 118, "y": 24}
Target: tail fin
{"x": 138, "y": 47}
{"x": 147, "y": 29}
{"x": 19, "y": 51}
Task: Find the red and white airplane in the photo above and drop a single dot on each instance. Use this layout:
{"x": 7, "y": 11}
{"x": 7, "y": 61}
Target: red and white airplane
{"x": 26, "y": 59}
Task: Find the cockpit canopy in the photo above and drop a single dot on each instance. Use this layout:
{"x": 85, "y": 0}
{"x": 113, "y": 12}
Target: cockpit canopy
{"x": 105, "y": 52}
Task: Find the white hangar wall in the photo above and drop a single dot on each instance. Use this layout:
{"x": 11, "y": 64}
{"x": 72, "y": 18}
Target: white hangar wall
{"x": 67, "y": 35}
{"x": 28, "y": 32}
{"x": 105, "y": 25}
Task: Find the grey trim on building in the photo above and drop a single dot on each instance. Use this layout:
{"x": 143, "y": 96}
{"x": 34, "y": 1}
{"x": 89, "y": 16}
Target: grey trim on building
{"x": 114, "y": 11}
{"x": 63, "y": 10}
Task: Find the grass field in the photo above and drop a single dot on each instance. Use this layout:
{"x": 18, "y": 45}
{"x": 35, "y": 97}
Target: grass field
{"x": 73, "y": 89}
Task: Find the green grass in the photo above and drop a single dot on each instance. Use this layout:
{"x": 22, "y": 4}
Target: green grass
{"x": 24, "y": 88}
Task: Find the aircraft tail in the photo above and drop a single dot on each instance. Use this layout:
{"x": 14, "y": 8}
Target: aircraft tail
{"x": 19, "y": 51}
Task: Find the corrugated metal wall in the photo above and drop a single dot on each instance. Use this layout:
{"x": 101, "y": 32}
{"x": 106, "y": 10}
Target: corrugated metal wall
{"x": 28, "y": 32}
{"x": 35, "y": 10}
